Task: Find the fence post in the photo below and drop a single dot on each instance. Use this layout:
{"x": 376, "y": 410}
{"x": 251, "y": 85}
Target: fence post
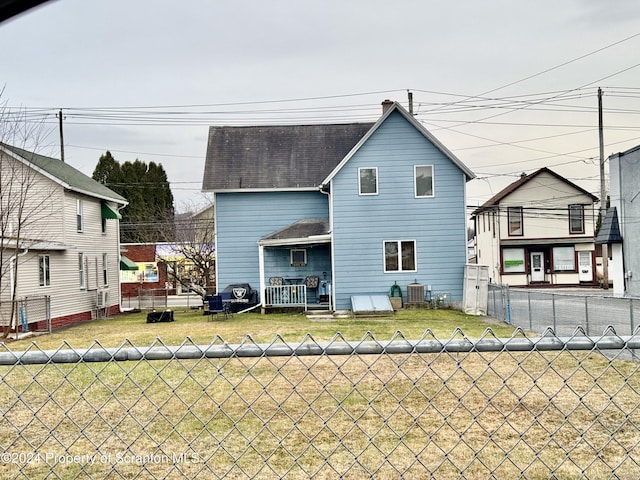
{"x": 529, "y": 310}
{"x": 553, "y": 310}
{"x": 586, "y": 313}
{"x": 508, "y": 305}
{"x": 631, "y": 314}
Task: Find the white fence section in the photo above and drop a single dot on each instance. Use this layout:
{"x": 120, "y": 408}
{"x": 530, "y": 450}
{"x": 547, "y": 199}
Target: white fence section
{"x": 286, "y": 296}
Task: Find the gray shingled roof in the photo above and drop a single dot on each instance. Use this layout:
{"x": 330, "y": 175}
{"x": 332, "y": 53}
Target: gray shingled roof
{"x": 610, "y": 229}
{"x": 266, "y": 157}
{"x": 66, "y": 175}
{"x": 302, "y": 229}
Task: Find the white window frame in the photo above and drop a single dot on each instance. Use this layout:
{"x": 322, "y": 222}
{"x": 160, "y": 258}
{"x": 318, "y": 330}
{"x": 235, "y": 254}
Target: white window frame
{"x": 82, "y": 271}
{"x": 415, "y": 181}
{"x": 399, "y": 244}
{"x": 360, "y": 170}
{"x": 292, "y": 253}
{"x": 105, "y": 269}
{"x": 79, "y": 216}
{"x": 44, "y": 270}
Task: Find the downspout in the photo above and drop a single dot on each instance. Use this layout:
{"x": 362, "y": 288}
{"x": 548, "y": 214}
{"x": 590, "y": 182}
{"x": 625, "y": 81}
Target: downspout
{"x": 118, "y": 263}
{"x": 333, "y": 273}
{"x": 13, "y": 266}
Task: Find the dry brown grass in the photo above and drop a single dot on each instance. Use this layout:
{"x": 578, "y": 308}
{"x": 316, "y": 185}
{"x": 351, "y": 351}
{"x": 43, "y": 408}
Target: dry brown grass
{"x": 530, "y": 415}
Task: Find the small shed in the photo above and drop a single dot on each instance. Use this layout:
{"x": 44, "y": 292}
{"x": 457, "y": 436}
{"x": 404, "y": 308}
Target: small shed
{"x": 476, "y": 289}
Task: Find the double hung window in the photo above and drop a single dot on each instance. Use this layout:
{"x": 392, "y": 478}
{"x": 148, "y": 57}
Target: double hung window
{"x": 400, "y": 256}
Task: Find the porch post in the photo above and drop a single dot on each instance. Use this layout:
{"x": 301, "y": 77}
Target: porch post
{"x": 261, "y": 269}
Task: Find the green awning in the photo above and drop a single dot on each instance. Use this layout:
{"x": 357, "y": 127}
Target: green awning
{"x": 127, "y": 264}
{"x": 109, "y": 212}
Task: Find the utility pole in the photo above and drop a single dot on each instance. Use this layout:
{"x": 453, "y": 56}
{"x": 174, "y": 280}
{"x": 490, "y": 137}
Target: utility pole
{"x": 603, "y": 195}
{"x": 61, "y": 136}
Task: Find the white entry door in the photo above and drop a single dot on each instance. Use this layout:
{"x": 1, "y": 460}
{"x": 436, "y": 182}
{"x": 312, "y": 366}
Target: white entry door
{"x": 585, "y": 273}
{"x": 537, "y": 266}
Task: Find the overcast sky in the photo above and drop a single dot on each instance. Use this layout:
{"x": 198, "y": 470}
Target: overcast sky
{"x": 508, "y": 85}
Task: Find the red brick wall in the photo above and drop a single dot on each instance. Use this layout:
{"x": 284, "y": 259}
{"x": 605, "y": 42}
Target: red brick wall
{"x": 68, "y": 320}
{"x": 144, "y": 253}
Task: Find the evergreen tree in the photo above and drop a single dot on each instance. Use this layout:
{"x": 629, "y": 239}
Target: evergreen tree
{"x": 146, "y": 188}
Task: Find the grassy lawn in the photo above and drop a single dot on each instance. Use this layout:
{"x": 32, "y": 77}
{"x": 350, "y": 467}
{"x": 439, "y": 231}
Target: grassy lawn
{"x": 111, "y": 332}
{"x": 537, "y": 415}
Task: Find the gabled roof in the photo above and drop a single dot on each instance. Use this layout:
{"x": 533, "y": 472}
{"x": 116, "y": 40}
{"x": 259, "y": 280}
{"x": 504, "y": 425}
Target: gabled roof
{"x": 276, "y": 157}
{"x": 396, "y": 107}
{"x": 63, "y": 174}
{"x": 610, "y": 229}
{"x": 497, "y": 198}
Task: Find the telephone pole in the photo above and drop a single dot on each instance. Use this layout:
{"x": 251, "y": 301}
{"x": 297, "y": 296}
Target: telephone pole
{"x": 61, "y": 136}
{"x": 603, "y": 195}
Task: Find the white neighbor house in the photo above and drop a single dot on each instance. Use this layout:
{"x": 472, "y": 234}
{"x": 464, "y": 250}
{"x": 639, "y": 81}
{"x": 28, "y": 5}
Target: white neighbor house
{"x": 68, "y": 247}
{"x": 538, "y": 231}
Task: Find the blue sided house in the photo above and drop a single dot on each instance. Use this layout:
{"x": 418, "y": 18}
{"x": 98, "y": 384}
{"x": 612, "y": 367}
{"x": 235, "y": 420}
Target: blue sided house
{"x": 323, "y": 213}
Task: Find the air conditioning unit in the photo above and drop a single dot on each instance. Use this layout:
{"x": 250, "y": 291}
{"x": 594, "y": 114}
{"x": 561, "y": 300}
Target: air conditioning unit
{"x": 103, "y": 298}
{"x": 415, "y": 293}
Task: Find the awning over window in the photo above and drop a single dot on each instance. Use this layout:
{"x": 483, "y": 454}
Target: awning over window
{"x": 127, "y": 264}
{"x": 109, "y": 212}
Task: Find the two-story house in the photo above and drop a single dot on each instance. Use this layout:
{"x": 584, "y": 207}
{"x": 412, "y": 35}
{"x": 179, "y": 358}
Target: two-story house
{"x": 539, "y": 230}
{"x": 360, "y": 207}
{"x": 60, "y": 237}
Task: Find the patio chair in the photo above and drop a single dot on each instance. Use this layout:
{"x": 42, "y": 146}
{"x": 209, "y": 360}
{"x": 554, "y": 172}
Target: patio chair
{"x": 218, "y": 305}
{"x": 276, "y": 293}
{"x": 312, "y": 282}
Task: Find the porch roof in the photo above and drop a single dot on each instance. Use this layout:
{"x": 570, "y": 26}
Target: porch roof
{"x": 303, "y": 232}
{"x": 546, "y": 241}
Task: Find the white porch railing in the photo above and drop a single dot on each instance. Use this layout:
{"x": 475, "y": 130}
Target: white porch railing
{"x": 286, "y": 296}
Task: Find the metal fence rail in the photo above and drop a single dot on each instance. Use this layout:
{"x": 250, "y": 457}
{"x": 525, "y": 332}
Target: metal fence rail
{"x": 522, "y": 407}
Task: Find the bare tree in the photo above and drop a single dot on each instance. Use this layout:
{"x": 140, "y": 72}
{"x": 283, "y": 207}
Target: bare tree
{"x": 26, "y": 204}
{"x": 190, "y": 251}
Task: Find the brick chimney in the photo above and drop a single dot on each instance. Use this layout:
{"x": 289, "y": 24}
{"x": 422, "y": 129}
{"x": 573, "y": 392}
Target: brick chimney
{"x": 386, "y": 105}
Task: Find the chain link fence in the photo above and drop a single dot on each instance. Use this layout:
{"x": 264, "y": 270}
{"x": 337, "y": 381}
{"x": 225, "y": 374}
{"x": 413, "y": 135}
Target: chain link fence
{"x": 536, "y": 310}
{"x": 158, "y": 298}
{"x": 523, "y": 407}
{"x": 26, "y": 314}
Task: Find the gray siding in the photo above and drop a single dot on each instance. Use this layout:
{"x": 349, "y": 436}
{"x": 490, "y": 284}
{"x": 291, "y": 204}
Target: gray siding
{"x": 243, "y": 218}
{"x": 362, "y": 223}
